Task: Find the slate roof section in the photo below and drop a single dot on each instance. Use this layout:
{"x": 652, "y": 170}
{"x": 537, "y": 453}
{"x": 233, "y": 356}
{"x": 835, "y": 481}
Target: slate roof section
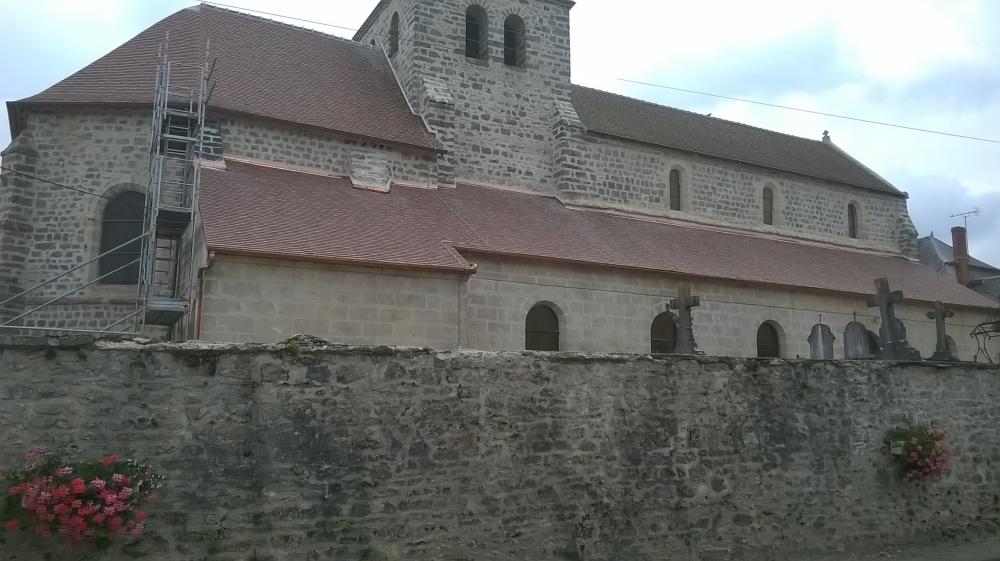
{"x": 935, "y": 251}
{"x": 633, "y": 119}
{"x": 264, "y": 68}
{"x": 256, "y": 210}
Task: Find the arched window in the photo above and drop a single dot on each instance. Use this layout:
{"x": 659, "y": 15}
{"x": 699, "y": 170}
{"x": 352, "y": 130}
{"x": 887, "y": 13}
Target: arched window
{"x": 394, "y": 34}
{"x": 663, "y": 334}
{"x": 541, "y": 329}
{"x": 121, "y": 222}
{"x": 852, "y": 221}
{"x": 513, "y": 41}
{"x": 768, "y": 206}
{"x": 768, "y": 342}
{"x": 675, "y": 189}
{"x": 476, "y": 32}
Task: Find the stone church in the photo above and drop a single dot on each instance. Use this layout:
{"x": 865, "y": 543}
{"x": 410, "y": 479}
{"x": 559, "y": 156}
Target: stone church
{"x": 440, "y": 181}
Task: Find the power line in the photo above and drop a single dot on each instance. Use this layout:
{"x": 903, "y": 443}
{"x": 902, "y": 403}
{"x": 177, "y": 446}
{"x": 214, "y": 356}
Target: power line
{"x": 36, "y": 178}
{"x": 777, "y": 106}
{"x": 283, "y": 16}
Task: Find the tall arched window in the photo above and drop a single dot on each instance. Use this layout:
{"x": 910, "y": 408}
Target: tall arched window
{"x": 121, "y": 222}
{"x": 675, "y": 189}
{"x": 394, "y": 34}
{"x": 663, "y": 334}
{"x": 513, "y": 41}
{"x": 852, "y": 221}
{"x": 768, "y": 341}
{"x": 476, "y": 32}
{"x": 541, "y": 329}
{"x": 768, "y": 206}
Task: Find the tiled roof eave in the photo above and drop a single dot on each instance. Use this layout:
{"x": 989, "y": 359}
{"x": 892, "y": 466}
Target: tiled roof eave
{"x": 691, "y": 276}
{"x": 457, "y": 269}
{"x": 893, "y": 193}
{"x": 28, "y": 102}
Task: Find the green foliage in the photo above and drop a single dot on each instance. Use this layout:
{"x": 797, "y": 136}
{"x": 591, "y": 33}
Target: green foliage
{"x": 751, "y": 364}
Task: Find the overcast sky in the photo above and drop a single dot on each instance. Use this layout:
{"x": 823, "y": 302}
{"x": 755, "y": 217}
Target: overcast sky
{"x": 921, "y": 63}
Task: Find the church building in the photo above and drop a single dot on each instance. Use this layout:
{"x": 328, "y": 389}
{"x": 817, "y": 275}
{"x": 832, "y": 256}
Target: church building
{"x": 438, "y": 181}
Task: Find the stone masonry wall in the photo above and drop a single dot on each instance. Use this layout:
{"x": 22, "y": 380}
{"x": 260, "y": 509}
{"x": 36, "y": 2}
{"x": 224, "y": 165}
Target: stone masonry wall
{"x": 498, "y": 127}
{"x": 632, "y": 176}
{"x": 601, "y": 310}
{"x": 253, "y": 300}
{"x": 299, "y": 452}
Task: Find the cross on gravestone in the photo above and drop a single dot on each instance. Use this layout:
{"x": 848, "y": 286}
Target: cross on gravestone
{"x": 686, "y": 344}
{"x": 821, "y": 342}
{"x": 941, "y": 353}
{"x": 893, "y": 332}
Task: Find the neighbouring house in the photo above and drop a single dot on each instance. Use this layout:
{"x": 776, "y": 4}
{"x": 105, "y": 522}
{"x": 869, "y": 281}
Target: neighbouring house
{"x": 959, "y": 265}
{"x": 437, "y": 181}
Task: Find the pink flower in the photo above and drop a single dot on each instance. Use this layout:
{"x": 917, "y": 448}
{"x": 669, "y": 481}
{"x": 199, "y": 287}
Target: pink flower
{"x": 140, "y": 516}
{"x": 32, "y": 456}
{"x": 136, "y": 532}
{"x": 12, "y": 525}
{"x": 64, "y": 471}
{"x": 111, "y": 459}
{"x": 78, "y": 486}
{"x": 98, "y": 484}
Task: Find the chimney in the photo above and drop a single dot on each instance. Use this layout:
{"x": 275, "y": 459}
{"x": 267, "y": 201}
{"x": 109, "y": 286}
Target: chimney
{"x": 960, "y": 243}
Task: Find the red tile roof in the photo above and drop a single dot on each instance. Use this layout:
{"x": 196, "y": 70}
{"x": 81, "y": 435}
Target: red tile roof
{"x": 256, "y": 210}
{"x": 264, "y": 68}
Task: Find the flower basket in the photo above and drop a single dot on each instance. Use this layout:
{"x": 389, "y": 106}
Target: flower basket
{"x": 98, "y": 500}
{"x": 918, "y": 452}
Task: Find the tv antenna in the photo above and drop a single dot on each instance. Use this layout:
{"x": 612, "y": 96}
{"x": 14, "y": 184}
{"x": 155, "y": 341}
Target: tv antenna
{"x": 965, "y": 215}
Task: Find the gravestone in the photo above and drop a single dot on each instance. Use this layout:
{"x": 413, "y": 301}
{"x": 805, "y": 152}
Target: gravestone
{"x": 892, "y": 332}
{"x": 857, "y": 344}
{"x": 686, "y": 344}
{"x": 942, "y": 353}
{"x": 821, "y": 342}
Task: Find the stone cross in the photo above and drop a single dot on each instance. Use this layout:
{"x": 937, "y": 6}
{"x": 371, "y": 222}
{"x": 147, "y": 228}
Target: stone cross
{"x": 941, "y": 353}
{"x": 686, "y": 344}
{"x": 821, "y": 342}
{"x": 893, "y": 332}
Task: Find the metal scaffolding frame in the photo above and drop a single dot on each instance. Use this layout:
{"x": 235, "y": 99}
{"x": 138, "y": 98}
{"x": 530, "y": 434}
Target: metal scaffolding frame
{"x": 169, "y": 214}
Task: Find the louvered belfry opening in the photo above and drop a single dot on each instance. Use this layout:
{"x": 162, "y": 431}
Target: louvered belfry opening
{"x": 476, "y": 32}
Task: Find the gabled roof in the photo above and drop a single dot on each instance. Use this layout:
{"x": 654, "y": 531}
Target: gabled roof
{"x": 264, "y": 68}
{"x": 933, "y": 250}
{"x": 269, "y": 212}
{"x": 633, "y": 119}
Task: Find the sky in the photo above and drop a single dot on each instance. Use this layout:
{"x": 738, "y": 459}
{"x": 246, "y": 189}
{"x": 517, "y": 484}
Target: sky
{"x": 931, "y": 64}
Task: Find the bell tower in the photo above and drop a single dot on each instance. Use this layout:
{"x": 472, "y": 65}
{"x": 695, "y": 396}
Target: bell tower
{"x": 486, "y": 76}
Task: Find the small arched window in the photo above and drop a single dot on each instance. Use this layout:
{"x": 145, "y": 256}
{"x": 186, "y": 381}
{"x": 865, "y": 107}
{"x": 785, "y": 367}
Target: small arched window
{"x": 663, "y": 334}
{"x": 852, "y": 221}
{"x": 768, "y": 206}
{"x": 476, "y": 32}
{"x": 394, "y": 34}
{"x": 768, "y": 342}
{"x": 675, "y": 189}
{"x": 541, "y": 329}
{"x": 121, "y": 223}
{"x": 513, "y": 41}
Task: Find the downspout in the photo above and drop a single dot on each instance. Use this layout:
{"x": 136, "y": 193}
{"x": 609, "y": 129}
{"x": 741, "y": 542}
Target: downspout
{"x": 201, "y": 294}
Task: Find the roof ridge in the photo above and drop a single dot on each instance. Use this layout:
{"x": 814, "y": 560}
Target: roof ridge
{"x": 208, "y": 4}
{"x": 701, "y": 115}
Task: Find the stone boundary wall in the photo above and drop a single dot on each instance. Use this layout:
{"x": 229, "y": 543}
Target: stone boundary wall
{"x": 308, "y": 451}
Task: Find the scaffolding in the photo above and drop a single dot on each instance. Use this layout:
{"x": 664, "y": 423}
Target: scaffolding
{"x": 166, "y": 261}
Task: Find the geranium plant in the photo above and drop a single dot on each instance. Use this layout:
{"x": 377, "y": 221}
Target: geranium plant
{"x": 918, "y": 452}
{"x": 96, "y": 499}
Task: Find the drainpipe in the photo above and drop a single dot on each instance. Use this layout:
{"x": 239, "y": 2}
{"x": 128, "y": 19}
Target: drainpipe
{"x": 201, "y": 293}
{"x": 960, "y": 243}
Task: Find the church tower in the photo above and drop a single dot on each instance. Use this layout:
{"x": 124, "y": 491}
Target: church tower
{"x": 487, "y": 76}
